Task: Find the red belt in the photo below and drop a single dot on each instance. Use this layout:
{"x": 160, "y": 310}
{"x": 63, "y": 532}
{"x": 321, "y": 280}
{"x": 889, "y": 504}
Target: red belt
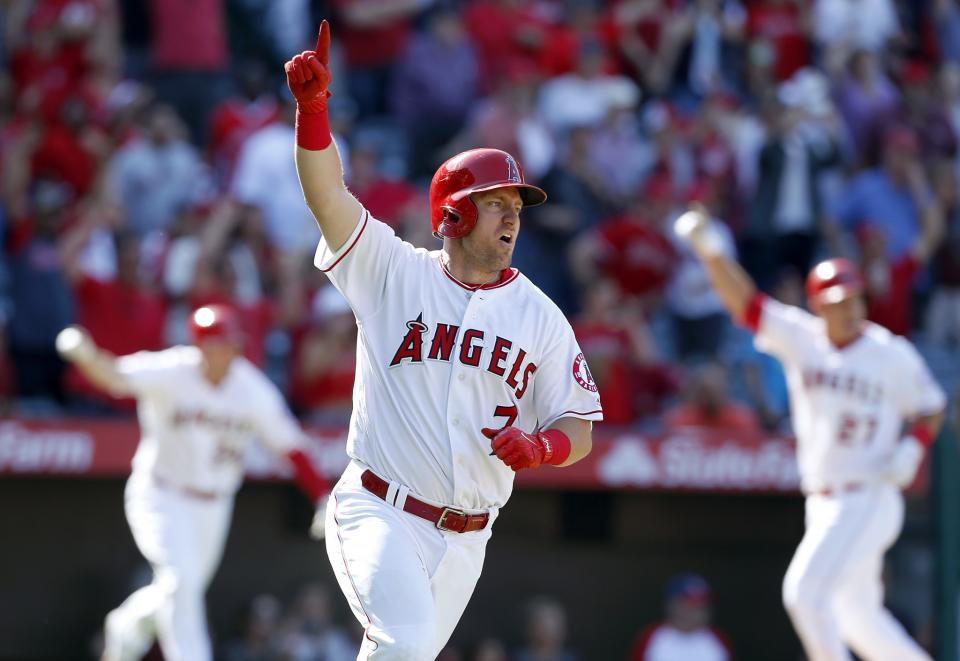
{"x": 850, "y": 487}
{"x": 190, "y": 492}
{"x": 444, "y": 518}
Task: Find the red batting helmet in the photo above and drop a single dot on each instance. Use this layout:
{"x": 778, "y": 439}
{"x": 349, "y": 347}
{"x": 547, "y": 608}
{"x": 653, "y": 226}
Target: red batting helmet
{"x": 215, "y": 322}
{"x": 832, "y": 281}
{"x": 452, "y": 213}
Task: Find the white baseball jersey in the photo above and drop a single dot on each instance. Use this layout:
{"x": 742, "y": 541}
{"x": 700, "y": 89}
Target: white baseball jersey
{"x": 437, "y": 360}
{"x": 195, "y": 434}
{"x": 667, "y": 643}
{"x": 849, "y": 404}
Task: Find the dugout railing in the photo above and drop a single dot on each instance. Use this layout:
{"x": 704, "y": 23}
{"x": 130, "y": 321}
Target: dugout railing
{"x": 946, "y": 493}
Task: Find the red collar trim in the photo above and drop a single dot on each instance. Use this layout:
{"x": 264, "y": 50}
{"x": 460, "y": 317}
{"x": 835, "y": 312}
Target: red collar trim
{"x": 507, "y": 276}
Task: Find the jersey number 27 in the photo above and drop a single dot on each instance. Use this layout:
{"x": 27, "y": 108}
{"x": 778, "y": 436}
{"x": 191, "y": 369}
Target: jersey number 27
{"x": 856, "y": 430}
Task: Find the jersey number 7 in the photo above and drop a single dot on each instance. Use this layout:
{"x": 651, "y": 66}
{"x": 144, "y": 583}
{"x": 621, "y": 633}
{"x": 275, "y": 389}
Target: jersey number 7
{"x": 508, "y": 412}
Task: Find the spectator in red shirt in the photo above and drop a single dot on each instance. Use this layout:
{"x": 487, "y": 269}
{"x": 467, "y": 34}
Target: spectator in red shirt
{"x": 189, "y": 56}
{"x": 505, "y": 32}
{"x": 385, "y": 198}
{"x": 780, "y": 30}
{"x": 585, "y": 21}
{"x": 72, "y": 148}
{"x": 324, "y": 363}
{"x": 122, "y": 313}
{"x": 237, "y": 118}
{"x": 640, "y": 26}
{"x": 623, "y": 359}
{"x": 708, "y": 405}
{"x": 53, "y": 43}
{"x": 227, "y": 266}
{"x": 373, "y": 34}
{"x": 685, "y": 634}
{"x": 632, "y": 249}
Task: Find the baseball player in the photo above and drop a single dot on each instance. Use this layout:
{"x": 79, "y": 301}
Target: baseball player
{"x": 864, "y": 408}
{"x": 466, "y": 373}
{"x": 199, "y": 408}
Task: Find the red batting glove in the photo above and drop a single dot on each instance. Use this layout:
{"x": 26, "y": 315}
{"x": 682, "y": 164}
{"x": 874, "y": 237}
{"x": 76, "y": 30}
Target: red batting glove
{"x": 308, "y": 74}
{"x": 519, "y": 450}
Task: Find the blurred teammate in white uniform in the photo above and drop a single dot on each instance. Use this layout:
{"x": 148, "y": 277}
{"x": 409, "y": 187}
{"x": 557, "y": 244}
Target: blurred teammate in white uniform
{"x": 864, "y": 409}
{"x": 199, "y": 408}
{"x": 466, "y": 372}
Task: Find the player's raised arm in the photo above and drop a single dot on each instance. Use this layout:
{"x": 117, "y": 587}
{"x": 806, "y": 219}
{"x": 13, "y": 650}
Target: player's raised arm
{"x": 76, "y": 346}
{"x": 734, "y": 287}
{"x": 318, "y": 161}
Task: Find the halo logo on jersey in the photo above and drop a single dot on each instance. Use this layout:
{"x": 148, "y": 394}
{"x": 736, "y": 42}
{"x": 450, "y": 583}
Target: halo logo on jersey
{"x": 582, "y": 373}
{"x": 412, "y": 345}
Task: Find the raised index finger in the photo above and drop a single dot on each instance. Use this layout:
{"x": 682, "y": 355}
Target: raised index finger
{"x": 323, "y": 43}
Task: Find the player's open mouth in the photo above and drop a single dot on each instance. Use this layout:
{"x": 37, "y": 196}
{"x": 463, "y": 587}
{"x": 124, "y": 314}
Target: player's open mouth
{"x": 507, "y": 238}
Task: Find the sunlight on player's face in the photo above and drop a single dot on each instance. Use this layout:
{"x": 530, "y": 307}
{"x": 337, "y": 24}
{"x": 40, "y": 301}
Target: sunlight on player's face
{"x": 491, "y": 242}
{"x": 844, "y": 318}
{"x": 217, "y": 356}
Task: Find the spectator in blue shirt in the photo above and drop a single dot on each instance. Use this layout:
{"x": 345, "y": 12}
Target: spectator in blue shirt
{"x": 432, "y": 107}
{"x": 889, "y": 199}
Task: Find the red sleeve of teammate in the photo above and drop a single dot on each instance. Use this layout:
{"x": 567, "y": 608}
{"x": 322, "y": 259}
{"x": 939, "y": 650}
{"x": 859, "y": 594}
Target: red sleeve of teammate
{"x": 753, "y": 312}
{"x": 307, "y": 477}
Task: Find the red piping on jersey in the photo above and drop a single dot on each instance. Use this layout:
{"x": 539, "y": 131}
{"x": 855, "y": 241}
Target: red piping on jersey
{"x": 753, "y": 312}
{"x": 581, "y": 412}
{"x": 346, "y": 568}
{"x": 507, "y": 276}
{"x": 366, "y": 216}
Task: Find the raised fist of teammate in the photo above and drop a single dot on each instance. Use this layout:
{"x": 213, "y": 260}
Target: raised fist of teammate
{"x": 905, "y": 461}
{"x": 75, "y": 345}
{"x": 308, "y": 74}
{"x": 697, "y": 229}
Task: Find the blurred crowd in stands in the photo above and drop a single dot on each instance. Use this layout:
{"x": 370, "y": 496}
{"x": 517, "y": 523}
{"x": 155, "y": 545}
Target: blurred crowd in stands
{"x": 147, "y": 168}
{"x": 306, "y": 629}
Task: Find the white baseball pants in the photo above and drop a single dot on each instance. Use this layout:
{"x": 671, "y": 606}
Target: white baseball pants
{"x": 833, "y": 588}
{"x": 407, "y": 582}
{"x": 183, "y": 538}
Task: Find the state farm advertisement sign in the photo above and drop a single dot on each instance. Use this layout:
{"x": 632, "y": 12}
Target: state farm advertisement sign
{"x": 688, "y": 461}
{"x": 103, "y": 448}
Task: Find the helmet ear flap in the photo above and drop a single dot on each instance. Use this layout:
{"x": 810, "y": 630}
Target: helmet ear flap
{"x": 455, "y": 221}
{"x": 450, "y": 215}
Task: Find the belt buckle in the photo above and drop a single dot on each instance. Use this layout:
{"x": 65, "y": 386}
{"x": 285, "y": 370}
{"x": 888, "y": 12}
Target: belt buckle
{"x": 441, "y": 522}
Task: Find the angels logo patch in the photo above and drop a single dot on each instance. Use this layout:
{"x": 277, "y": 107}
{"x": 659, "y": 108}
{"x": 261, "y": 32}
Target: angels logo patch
{"x": 582, "y": 374}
